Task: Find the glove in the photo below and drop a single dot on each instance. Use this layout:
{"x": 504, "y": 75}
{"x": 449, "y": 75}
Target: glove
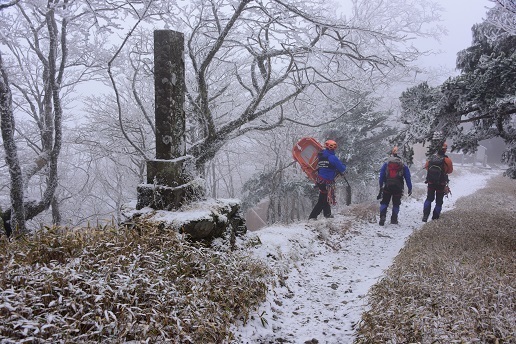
{"x": 380, "y": 194}
{"x": 410, "y": 192}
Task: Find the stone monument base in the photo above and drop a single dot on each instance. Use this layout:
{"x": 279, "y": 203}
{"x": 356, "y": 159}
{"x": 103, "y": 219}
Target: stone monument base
{"x": 170, "y": 184}
{"x": 161, "y": 197}
{"x": 199, "y": 220}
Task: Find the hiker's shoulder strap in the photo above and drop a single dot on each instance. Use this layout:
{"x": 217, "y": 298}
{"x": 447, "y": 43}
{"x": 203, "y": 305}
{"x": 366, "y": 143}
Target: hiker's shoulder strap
{"x": 448, "y": 165}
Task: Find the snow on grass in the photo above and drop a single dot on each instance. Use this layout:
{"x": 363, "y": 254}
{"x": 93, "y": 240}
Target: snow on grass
{"x": 324, "y": 275}
{"x": 146, "y": 284}
{"x": 454, "y": 281}
{"x": 120, "y": 285}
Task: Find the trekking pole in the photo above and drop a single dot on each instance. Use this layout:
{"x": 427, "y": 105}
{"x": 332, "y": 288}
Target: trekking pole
{"x": 349, "y": 186}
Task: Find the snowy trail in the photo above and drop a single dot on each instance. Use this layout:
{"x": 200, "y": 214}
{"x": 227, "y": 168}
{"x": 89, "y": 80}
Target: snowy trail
{"x": 324, "y": 292}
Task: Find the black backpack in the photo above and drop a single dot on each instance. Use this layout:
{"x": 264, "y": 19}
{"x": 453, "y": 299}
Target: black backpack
{"x": 394, "y": 173}
{"x": 435, "y": 174}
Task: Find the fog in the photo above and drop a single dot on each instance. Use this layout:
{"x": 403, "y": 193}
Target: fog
{"x": 458, "y": 18}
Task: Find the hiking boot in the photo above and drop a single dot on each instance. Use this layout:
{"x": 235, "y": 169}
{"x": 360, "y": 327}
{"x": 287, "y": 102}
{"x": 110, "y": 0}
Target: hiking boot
{"x": 394, "y": 219}
{"x": 312, "y": 218}
{"x": 425, "y": 217}
{"x": 435, "y": 217}
{"x": 329, "y": 217}
{"x": 382, "y": 220}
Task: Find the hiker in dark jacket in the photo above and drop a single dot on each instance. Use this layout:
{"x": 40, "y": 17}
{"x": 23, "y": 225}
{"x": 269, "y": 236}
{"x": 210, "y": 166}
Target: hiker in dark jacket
{"x": 392, "y": 174}
{"x": 438, "y": 185}
{"x": 328, "y": 168}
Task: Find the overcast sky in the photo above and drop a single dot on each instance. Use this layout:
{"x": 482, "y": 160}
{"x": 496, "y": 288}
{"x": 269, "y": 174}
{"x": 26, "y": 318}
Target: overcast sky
{"x": 459, "y": 17}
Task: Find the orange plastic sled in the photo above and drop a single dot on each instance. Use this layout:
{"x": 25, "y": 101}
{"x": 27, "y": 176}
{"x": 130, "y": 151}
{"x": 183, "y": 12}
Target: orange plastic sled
{"x": 305, "y": 153}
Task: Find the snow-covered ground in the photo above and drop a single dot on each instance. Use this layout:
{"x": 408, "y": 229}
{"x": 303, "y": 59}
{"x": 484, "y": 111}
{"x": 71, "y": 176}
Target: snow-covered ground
{"x": 328, "y": 274}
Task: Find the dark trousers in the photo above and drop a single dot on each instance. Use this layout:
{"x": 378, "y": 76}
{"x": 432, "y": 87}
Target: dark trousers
{"x": 322, "y": 203}
{"x": 388, "y": 194}
{"x": 434, "y": 192}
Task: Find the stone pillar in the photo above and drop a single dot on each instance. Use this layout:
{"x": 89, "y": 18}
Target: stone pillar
{"x": 169, "y": 88}
{"x": 170, "y": 178}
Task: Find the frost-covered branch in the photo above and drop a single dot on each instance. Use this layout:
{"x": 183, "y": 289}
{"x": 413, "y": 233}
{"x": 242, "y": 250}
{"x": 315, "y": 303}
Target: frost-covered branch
{"x": 503, "y": 15}
{"x": 483, "y": 95}
{"x": 113, "y": 81}
{"x": 311, "y": 125}
{"x": 254, "y": 49}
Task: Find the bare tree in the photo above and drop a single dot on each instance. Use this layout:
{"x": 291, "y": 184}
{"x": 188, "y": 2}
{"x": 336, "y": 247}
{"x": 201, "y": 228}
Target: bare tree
{"x": 9, "y": 4}
{"x": 248, "y": 60}
{"x": 255, "y": 66}
{"x": 44, "y": 71}
{"x": 252, "y": 66}
{"x": 11, "y": 154}
{"x": 44, "y": 102}
{"x": 282, "y": 51}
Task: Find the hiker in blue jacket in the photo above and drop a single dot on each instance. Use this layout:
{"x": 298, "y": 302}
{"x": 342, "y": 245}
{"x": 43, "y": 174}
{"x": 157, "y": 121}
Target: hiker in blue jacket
{"x": 328, "y": 168}
{"x": 392, "y": 173}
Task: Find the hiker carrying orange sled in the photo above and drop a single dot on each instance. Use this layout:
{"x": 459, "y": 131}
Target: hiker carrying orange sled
{"x": 328, "y": 167}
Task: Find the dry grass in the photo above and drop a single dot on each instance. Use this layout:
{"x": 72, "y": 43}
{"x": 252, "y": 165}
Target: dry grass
{"x": 365, "y": 212}
{"x": 115, "y": 285}
{"x": 455, "y": 280}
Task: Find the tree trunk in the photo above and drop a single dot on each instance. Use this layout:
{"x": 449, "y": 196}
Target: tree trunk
{"x": 11, "y": 157}
{"x": 56, "y": 214}
{"x": 51, "y": 130}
